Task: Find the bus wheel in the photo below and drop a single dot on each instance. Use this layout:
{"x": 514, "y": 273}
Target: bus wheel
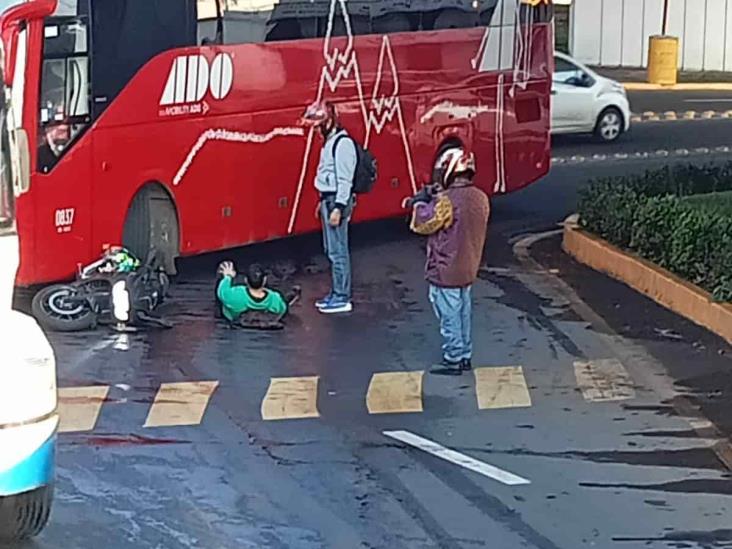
{"x": 152, "y": 222}
{"x": 54, "y": 310}
{"x": 23, "y": 516}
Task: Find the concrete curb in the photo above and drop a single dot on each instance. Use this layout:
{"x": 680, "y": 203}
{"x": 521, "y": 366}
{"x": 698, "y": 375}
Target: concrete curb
{"x": 689, "y": 86}
{"x": 643, "y": 276}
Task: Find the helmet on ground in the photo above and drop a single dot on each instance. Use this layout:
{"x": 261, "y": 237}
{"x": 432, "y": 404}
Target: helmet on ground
{"x": 319, "y": 113}
{"x": 455, "y": 162}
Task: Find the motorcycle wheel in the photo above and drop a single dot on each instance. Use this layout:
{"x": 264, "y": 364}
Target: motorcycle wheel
{"x": 53, "y": 311}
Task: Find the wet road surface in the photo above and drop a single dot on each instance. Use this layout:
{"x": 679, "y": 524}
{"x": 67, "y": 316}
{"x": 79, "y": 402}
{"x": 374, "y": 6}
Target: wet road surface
{"x": 206, "y": 437}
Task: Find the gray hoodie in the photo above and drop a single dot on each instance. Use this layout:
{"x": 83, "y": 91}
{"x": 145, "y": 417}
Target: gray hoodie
{"x": 343, "y": 163}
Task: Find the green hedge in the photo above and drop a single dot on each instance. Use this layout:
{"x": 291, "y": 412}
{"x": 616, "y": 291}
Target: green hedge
{"x": 650, "y": 215}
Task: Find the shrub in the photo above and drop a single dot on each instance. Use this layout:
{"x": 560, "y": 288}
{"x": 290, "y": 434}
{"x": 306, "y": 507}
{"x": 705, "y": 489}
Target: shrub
{"x": 691, "y": 237}
{"x": 609, "y": 196}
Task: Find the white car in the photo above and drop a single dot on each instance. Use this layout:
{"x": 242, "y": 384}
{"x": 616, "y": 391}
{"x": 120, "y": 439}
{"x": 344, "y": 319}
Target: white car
{"x": 585, "y": 102}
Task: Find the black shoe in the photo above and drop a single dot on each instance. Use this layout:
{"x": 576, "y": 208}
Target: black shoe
{"x": 466, "y": 365}
{"x": 447, "y": 368}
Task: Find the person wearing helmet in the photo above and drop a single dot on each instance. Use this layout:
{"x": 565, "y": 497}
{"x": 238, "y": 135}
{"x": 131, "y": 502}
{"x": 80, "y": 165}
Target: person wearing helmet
{"x": 454, "y": 215}
{"x": 334, "y": 183}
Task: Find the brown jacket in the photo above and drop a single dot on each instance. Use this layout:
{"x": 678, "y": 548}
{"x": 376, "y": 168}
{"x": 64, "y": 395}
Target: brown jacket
{"x": 456, "y": 223}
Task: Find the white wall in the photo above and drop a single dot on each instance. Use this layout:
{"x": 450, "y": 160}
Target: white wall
{"x": 616, "y": 32}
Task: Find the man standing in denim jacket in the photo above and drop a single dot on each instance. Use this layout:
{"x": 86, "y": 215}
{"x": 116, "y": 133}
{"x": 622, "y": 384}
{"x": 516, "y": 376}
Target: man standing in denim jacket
{"x": 334, "y": 183}
{"x": 455, "y": 217}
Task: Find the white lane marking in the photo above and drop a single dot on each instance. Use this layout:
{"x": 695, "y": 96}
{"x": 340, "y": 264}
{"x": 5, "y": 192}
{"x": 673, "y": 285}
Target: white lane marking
{"x": 457, "y": 458}
{"x": 708, "y": 100}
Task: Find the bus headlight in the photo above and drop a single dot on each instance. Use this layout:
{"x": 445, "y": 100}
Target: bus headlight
{"x": 121, "y": 301}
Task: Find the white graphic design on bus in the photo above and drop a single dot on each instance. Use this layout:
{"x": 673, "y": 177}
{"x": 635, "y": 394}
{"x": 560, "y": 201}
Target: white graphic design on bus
{"x": 231, "y": 137}
{"x": 339, "y": 66}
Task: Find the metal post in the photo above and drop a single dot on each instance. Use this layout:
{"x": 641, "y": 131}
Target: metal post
{"x": 664, "y": 25}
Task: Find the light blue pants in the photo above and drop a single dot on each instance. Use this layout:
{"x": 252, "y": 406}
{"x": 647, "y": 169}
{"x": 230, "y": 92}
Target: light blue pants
{"x": 335, "y": 243}
{"x": 453, "y": 309}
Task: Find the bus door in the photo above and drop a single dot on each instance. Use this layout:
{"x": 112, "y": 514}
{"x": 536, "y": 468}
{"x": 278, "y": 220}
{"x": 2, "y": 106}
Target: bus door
{"x": 62, "y": 187}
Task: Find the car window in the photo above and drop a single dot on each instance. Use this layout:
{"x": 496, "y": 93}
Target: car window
{"x": 562, "y": 65}
{"x": 566, "y": 72}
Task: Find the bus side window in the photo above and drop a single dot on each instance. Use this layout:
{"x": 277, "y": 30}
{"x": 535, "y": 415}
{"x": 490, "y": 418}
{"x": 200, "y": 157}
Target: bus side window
{"x": 65, "y": 90}
{"x": 541, "y": 13}
{"x": 207, "y": 24}
{"x": 453, "y": 18}
{"x": 487, "y": 9}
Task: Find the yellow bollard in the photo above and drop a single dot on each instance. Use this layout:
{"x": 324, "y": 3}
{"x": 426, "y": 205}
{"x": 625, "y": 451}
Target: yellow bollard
{"x": 663, "y": 55}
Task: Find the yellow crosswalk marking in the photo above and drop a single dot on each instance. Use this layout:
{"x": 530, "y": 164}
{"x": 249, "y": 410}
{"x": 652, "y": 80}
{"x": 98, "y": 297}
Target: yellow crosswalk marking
{"x": 291, "y": 398}
{"x": 503, "y": 387}
{"x": 79, "y": 407}
{"x": 180, "y": 403}
{"x": 395, "y": 393}
{"x": 603, "y": 380}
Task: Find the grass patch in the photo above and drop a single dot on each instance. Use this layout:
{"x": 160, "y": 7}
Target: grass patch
{"x": 712, "y": 202}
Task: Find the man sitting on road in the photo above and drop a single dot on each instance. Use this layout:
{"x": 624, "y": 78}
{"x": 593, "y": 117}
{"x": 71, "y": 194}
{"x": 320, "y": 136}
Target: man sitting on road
{"x": 236, "y": 300}
{"x": 454, "y": 215}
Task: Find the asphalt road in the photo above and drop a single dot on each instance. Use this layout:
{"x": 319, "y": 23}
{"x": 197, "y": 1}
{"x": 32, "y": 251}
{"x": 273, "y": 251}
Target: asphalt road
{"x": 650, "y": 137}
{"x": 680, "y": 101}
{"x": 303, "y": 438}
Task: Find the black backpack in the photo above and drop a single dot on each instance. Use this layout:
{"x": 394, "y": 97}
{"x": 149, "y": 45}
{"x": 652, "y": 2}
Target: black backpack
{"x": 364, "y": 176}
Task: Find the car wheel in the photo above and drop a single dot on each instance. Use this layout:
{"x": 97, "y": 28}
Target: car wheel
{"x": 610, "y": 125}
{"x": 23, "y": 516}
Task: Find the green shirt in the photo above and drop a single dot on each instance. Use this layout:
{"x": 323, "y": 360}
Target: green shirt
{"x": 237, "y": 300}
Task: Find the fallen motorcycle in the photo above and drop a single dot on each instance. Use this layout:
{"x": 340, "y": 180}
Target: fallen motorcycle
{"x": 117, "y": 290}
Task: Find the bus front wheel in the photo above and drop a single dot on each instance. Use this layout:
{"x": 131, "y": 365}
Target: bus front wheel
{"x": 23, "y": 516}
{"x": 152, "y": 223}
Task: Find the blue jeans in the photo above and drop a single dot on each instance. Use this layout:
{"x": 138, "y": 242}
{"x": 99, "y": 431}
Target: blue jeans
{"x": 335, "y": 243}
{"x": 453, "y": 309}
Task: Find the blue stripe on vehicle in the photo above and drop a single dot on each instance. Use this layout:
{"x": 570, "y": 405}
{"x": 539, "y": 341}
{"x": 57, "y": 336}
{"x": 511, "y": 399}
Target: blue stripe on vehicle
{"x": 31, "y": 473}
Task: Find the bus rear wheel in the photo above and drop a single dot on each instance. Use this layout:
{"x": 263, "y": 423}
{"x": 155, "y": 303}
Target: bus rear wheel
{"x": 25, "y": 515}
{"x": 152, "y": 223}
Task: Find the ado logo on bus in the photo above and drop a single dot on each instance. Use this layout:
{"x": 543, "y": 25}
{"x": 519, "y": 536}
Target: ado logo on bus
{"x": 190, "y": 77}
{"x": 65, "y": 220}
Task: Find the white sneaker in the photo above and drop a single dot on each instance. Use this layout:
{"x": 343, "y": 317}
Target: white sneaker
{"x": 336, "y": 306}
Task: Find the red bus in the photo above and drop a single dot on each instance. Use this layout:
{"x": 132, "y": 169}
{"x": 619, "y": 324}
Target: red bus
{"x": 174, "y": 123}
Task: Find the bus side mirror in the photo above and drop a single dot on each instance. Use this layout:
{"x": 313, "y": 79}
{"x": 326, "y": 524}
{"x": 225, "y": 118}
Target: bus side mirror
{"x": 12, "y": 22}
